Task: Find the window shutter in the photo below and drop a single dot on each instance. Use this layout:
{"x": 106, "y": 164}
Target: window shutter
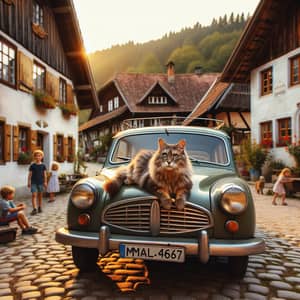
{"x": 16, "y": 142}
{"x": 25, "y": 74}
{"x": 65, "y": 148}
{"x": 54, "y": 146}
{"x": 73, "y": 149}
{"x": 32, "y": 140}
{"x": 7, "y": 141}
{"x": 52, "y": 85}
{"x": 70, "y": 96}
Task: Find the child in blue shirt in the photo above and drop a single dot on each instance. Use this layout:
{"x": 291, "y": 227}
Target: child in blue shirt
{"x": 37, "y": 180}
{"x": 9, "y": 212}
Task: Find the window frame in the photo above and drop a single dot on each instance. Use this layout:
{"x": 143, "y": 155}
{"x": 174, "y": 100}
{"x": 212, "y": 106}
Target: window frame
{"x": 266, "y": 81}
{"x": 10, "y": 47}
{"x": 60, "y": 147}
{"x": 23, "y": 142}
{"x": 62, "y": 91}
{"x": 266, "y": 133}
{"x": 37, "y": 65}
{"x": 283, "y": 140}
{"x": 37, "y": 14}
{"x": 292, "y": 60}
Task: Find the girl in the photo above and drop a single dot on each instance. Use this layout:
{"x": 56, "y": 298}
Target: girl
{"x": 278, "y": 187}
{"x": 53, "y": 184}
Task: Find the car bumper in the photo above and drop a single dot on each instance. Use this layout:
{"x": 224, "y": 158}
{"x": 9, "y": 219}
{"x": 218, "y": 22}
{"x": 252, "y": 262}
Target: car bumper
{"x": 203, "y": 247}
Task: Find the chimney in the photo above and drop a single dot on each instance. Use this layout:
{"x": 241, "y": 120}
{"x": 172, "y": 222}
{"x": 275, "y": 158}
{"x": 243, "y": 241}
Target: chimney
{"x": 171, "y": 72}
{"x": 198, "y": 70}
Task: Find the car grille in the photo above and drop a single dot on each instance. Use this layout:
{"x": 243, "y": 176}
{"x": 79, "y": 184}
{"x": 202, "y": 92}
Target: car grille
{"x": 144, "y": 215}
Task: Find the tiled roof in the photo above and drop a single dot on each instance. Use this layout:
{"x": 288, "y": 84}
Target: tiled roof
{"x": 187, "y": 90}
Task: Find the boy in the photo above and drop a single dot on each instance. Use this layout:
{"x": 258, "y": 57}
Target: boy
{"x": 37, "y": 180}
{"x": 9, "y": 212}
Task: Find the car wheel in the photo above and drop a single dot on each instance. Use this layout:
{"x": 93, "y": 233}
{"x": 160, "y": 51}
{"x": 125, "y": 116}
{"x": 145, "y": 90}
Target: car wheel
{"x": 85, "y": 259}
{"x": 238, "y": 265}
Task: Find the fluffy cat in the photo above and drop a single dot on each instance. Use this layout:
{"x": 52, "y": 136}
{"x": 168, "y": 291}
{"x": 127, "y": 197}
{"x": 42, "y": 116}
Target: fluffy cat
{"x": 165, "y": 173}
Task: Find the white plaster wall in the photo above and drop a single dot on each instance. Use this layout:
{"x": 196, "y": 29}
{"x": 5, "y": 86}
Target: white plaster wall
{"x": 282, "y": 103}
{"x": 17, "y": 108}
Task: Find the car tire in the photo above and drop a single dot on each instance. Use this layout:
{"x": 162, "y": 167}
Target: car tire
{"x": 238, "y": 265}
{"x": 85, "y": 259}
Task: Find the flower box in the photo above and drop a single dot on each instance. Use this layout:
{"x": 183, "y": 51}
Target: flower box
{"x": 69, "y": 109}
{"x": 43, "y": 100}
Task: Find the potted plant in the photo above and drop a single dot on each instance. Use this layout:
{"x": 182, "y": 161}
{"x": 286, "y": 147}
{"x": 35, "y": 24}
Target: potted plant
{"x": 294, "y": 150}
{"x": 69, "y": 109}
{"x": 43, "y": 100}
{"x": 255, "y": 155}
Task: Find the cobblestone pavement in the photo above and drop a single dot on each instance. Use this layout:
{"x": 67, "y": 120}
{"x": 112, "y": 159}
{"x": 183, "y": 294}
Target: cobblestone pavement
{"x": 36, "y": 267}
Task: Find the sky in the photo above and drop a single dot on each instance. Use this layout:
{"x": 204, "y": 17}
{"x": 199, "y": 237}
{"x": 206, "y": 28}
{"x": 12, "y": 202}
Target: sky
{"x": 105, "y": 23}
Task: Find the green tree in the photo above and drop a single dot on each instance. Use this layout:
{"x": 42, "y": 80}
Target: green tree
{"x": 150, "y": 64}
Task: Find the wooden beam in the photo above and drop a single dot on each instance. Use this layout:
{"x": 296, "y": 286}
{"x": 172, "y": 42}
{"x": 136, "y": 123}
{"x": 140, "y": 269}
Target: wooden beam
{"x": 61, "y": 10}
{"x": 84, "y": 87}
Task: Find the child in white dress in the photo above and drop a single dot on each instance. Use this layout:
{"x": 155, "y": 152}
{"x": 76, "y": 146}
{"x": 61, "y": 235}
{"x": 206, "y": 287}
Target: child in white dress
{"x": 278, "y": 187}
{"x": 53, "y": 183}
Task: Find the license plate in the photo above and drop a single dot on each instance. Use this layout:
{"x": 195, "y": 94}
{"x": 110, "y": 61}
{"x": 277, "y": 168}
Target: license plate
{"x": 153, "y": 252}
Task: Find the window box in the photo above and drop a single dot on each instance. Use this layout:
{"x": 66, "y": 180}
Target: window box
{"x": 69, "y": 109}
{"x": 43, "y": 100}
{"x": 39, "y": 30}
{"x": 24, "y": 158}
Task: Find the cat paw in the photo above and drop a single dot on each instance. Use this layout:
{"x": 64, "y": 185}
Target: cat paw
{"x": 180, "y": 204}
{"x": 166, "y": 203}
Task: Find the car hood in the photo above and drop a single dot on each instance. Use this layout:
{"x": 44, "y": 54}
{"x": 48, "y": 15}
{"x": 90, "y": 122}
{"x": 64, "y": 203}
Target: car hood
{"x": 203, "y": 179}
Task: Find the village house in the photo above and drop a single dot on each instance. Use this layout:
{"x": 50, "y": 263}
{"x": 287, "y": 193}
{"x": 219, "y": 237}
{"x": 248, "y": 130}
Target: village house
{"x": 45, "y": 78}
{"x": 146, "y": 99}
{"x": 267, "y": 57}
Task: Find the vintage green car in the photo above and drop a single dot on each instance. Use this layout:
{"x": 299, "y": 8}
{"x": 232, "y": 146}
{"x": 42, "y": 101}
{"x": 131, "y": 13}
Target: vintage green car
{"x": 218, "y": 219}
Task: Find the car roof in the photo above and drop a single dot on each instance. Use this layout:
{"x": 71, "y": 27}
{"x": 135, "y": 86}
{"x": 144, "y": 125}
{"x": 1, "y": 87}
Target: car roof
{"x": 171, "y": 129}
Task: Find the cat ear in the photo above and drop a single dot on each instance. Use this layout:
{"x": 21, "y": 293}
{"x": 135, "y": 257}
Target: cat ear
{"x": 161, "y": 143}
{"x": 181, "y": 143}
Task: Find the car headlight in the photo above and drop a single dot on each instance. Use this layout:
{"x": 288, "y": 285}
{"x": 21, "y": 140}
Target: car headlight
{"x": 233, "y": 199}
{"x": 83, "y": 196}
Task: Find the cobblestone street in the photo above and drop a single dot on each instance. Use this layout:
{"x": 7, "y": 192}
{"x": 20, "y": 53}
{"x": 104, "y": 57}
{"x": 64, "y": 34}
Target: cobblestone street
{"x": 36, "y": 267}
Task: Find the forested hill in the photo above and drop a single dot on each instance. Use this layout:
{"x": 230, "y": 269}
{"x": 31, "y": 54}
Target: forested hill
{"x": 205, "y": 46}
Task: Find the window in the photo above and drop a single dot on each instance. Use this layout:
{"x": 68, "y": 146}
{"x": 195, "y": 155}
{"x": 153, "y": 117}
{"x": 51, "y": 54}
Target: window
{"x": 60, "y": 148}
{"x": 295, "y": 70}
{"x": 7, "y": 63}
{"x": 37, "y": 14}
{"x": 62, "y": 91}
{"x": 101, "y": 108}
{"x": 39, "y": 76}
{"x": 116, "y": 102}
{"x": 266, "y": 82}
{"x": 110, "y": 105}
{"x": 266, "y": 134}
{"x": 2, "y": 136}
{"x": 23, "y": 139}
{"x": 157, "y": 100}
{"x": 70, "y": 149}
{"x": 284, "y": 132}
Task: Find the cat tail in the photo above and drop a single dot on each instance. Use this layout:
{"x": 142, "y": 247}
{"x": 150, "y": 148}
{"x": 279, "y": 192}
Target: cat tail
{"x": 113, "y": 185}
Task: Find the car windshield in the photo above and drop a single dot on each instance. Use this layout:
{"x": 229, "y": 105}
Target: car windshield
{"x": 200, "y": 147}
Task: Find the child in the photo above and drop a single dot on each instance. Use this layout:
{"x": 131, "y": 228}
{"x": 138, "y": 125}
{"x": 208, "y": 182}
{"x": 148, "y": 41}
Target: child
{"x": 10, "y": 212}
{"x": 278, "y": 187}
{"x": 37, "y": 180}
{"x": 53, "y": 183}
